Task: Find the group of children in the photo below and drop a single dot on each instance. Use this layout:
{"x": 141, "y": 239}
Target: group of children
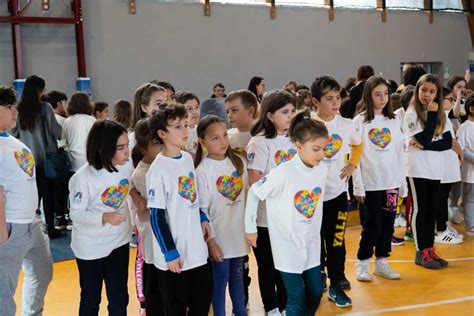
{"x": 201, "y": 196}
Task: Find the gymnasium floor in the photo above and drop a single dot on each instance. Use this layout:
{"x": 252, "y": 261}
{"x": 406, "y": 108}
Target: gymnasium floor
{"x": 448, "y": 291}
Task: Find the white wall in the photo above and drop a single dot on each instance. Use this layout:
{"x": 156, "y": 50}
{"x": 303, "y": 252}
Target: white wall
{"x": 175, "y": 42}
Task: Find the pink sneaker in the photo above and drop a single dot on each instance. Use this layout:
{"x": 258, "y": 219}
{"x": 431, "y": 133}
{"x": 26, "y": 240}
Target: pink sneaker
{"x": 142, "y": 312}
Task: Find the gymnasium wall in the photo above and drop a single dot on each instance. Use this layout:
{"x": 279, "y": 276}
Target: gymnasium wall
{"x": 175, "y": 42}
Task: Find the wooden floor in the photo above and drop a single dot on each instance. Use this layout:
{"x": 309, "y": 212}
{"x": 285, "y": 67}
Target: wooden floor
{"x": 448, "y": 291}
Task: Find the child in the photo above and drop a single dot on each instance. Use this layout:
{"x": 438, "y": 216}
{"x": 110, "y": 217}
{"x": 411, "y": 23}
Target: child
{"x": 58, "y": 101}
{"x": 377, "y": 181}
{"x": 143, "y": 155}
{"x": 222, "y": 182}
{"x": 445, "y": 234}
{"x": 191, "y": 103}
{"x": 122, "y": 113}
{"x": 293, "y": 192}
{"x": 269, "y": 147}
{"x": 303, "y": 101}
{"x": 22, "y": 241}
{"x": 180, "y": 251}
{"x": 101, "y": 111}
{"x": 241, "y": 107}
{"x": 428, "y": 136}
{"x": 343, "y": 140}
{"x": 466, "y": 139}
{"x": 169, "y": 88}
{"x": 101, "y": 231}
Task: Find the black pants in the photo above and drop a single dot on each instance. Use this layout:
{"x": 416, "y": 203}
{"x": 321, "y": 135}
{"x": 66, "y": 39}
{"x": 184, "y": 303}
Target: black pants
{"x": 425, "y": 194}
{"x": 46, "y": 193}
{"x": 268, "y": 277}
{"x": 61, "y": 195}
{"x": 442, "y": 209}
{"x": 153, "y": 302}
{"x": 377, "y": 230}
{"x": 112, "y": 269}
{"x": 189, "y": 289}
{"x": 333, "y": 228}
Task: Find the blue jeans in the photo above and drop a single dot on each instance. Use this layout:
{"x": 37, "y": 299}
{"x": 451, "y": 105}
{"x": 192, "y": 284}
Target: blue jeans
{"x": 304, "y": 291}
{"x": 229, "y": 270}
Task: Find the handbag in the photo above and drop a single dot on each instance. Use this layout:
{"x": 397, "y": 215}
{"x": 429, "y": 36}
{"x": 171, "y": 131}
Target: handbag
{"x": 56, "y": 161}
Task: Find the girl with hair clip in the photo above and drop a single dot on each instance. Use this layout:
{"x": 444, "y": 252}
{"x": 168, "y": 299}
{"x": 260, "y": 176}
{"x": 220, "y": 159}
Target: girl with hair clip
{"x": 294, "y": 192}
{"x": 222, "y": 182}
{"x": 101, "y": 230}
{"x": 428, "y": 136}
{"x": 379, "y": 177}
{"x": 269, "y": 147}
{"x": 146, "y": 281}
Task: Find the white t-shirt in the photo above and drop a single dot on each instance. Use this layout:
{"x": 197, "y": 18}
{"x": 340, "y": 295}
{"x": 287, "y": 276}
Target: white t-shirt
{"x": 76, "y": 128}
{"x": 192, "y": 144}
{"x": 381, "y": 164}
{"x": 263, "y": 155}
{"x": 171, "y": 185}
{"x": 466, "y": 140}
{"x": 294, "y": 194}
{"x": 92, "y": 193}
{"x": 342, "y": 134}
{"x": 222, "y": 195}
{"x": 18, "y": 179}
{"x": 138, "y": 181}
{"x": 60, "y": 119}
{"x": 238, "y": 140}
{"x": 452, "y": 166}
{"x": 426, "y": 164}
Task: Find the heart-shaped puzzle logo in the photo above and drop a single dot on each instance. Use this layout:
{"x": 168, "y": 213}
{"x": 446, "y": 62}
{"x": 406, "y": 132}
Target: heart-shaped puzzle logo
{"x": 380, "y": 137}
{"x": 187, "y": 187}
{"x": 283, "y": 156}
{"x": 113, "y": 196}
{"x": 306, "y": 202}
{"x": 24, "y": 159}
{"x": 333, "y": 146}
{"x": 230, "y": 187}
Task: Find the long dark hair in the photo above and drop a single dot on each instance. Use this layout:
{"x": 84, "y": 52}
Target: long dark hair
{"x": 254, "y": 82}
{"x": 29, "y": 106}
{"x": 143, "y": 137}
{"x": 367, "y": 104}
{"x": 272, "y": 102}
{"x": 234, "y": 156}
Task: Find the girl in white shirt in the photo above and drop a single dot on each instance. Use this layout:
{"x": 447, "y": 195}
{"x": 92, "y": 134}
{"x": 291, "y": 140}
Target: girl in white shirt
{"x": 428, "y": 136}
{"x": 379, "y": 177}
{"x": 101, "y": 231}
{"x": 222, "y": 181}
{"x": 294, "y": 192}
{"x": 269, "y": 147}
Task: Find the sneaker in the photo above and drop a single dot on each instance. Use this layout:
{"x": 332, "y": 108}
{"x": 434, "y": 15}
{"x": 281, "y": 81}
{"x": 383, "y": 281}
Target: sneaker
{"x": 54, "y": 233}
{"x": 383, "y": 269}
{"x": 134, "y": 241}
{"x": 338, "y": 296}
{"x": 400, "y": 221}
{"x": 69, "y": 224}
{"x": 397, "y": 241}
{"x": 469, "y": 232}
{"x": 408, "y": 235}
{"x": 435, "y": 256}
{"x": 362, "y": 271}
{"x": 454, "y": 214}
{"x": 274, "y": 312}
{"x": 60, "y": 223}
{"x": 454, "y": 231}
{"x": 323, "y": 279}
{"x": 447, "y": 237}
{"x": 425, "y": 259}
{"x": 344, "y": 283}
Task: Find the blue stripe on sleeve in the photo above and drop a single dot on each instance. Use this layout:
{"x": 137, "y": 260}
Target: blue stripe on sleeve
{"x": 162, "y": 234}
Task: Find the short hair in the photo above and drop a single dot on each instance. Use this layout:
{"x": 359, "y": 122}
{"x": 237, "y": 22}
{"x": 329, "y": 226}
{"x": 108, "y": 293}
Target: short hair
{"x": 218, "y": 85}
{"x": 53, "y": 97}
{"x": 102, "y": 144}
{"x": 184, "y": 96}
{"x": 160, "y": 119}
{"x": 395, "y": 100}
{"x": 79, "y": 103}
{"x": 7, "y": 96}
{"x": 469, "y": 103}
{"x": 247, "y": 98}
{"x": 413, "y": 74}
{"x": 100, "y": 106}
{"x": 364, "y": 72}
{"x": 323, "y": 85}
{"x": 393, "y": 85}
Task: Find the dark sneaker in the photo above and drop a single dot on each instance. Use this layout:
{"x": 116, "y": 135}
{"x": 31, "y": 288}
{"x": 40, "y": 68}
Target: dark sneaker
{"x": 338, "y": 296}
{"x": 397, "y": 241}
{"x": 435, "y": 256}
{"x": 425, "y": 259}
{"x": 408, "y": 235}
{"x": 323, "y": 279}
{"x": 344, "y": 283}
{"x": 61, "y": 223}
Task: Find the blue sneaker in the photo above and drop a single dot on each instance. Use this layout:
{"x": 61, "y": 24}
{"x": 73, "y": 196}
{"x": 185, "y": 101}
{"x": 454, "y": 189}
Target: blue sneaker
{"x": 338, "y": 296}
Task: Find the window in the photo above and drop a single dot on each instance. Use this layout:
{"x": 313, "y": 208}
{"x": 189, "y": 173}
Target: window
{"x": 362, "y": 4}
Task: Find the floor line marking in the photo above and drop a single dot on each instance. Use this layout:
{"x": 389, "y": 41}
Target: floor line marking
{"x": 413, "y": 260}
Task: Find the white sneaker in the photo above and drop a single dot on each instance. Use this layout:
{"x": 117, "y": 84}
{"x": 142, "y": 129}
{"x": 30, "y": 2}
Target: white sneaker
{"x": 274, "y": 312}
{"x": 454, "y": 214}
{"x": 447, "y": 237}
{"x": 470, "y": 232}
{"x": 400, "y": 221}
{"x": 362, "y": 271}
{"x": 383, "y": 269}
{"x": 454, "y": 231}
